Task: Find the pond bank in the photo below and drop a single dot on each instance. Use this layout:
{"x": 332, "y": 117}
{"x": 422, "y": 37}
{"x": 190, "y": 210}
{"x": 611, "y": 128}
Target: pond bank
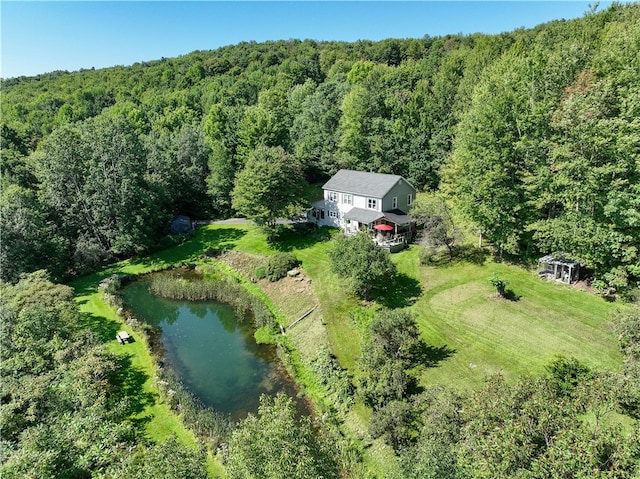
{"x": 211, "y": 349}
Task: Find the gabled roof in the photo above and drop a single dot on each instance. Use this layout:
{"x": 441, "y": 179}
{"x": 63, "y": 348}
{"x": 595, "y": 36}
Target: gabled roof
{"x": 363, "y": 183}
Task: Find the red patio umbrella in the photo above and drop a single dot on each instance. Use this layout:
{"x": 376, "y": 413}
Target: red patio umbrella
{"x": 383, "y": 227}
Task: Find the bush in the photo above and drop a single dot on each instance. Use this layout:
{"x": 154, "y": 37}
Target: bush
{"x": 426, "y": 256}
{"x": 261, "y": 272}
{"x": 366, "y": 266}
{"x": 500, "y": 284}
{"x": 279, "y": 264}
{"x": 333, "y": 377}
{"x": 265, "y": 335}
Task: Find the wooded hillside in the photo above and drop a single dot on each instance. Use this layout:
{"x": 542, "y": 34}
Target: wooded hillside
{"x": 535, "y": 134}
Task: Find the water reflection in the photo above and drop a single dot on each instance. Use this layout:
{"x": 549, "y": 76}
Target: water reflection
{"x": 216, "y": 357}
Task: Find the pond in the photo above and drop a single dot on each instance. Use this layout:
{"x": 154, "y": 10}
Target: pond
{"x": 215, "y": 356}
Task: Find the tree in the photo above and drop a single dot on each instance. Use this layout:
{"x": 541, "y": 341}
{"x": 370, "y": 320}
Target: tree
{"x": 433, "y": 455}
{"x": 395, "y": 333}
{"x": 177, "y": 166}
{"x": 434, "y": 215}
{"x": 270, "y": 186}
{"x": 313, "y": 133}
{"x": 393, "y": 422}
{"x": 485, "y": 174}
{"x": 60, "y": 414}
{"x": 626, "y": 325}
{"x": 391, "y": 346}
{"x": 168, "y": 460}
{"x": 220, "y": 127}
{"x": 92, "y": 177}
{"x": 590, "y": 189}
{"x": 29, "y": 241}
{"x": 500, "y": 284}
{"x": 366, "y": 266}
{"x": 265, "y": 124}
{"x": 274, "y": 445}
{"x": 529, "y": 429}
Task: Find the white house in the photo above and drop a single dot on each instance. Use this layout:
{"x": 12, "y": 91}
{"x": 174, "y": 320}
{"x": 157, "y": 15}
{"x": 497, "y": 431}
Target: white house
{"x": 359, "y": 200}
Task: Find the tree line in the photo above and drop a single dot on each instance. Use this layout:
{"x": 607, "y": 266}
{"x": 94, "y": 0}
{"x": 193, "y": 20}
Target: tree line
{"x": 533, "y": 134}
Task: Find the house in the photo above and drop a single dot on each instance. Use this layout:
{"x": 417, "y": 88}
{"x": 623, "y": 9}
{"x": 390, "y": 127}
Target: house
{"x": 374, "y": 202}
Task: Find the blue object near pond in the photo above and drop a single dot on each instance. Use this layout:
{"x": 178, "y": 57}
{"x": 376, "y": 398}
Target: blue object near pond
{"x": 180, "y": 225}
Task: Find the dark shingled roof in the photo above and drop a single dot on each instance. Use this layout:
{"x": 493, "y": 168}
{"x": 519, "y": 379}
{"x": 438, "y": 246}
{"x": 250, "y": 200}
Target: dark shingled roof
{"x": 398, "y": 217}
{"x": 363, "y": 216}
{"x": 363, "y": 183}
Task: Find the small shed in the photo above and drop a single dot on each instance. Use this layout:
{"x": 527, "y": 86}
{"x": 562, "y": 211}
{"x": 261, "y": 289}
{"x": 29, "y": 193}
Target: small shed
{"x": 181, "y": 224}
{"x": 558, "y": 267}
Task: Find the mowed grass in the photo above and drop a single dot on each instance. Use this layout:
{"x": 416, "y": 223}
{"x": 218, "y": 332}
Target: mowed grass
{"x": 475, "y": 334}
{"x": 158, "y": 420}
{"x": 472, "y": 333}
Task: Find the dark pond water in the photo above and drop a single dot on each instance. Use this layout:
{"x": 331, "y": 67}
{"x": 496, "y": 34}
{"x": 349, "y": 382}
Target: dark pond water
{"x": 216, "y": 357}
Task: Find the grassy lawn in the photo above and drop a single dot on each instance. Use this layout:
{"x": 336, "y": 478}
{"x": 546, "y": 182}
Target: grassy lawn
{"x": 159, "y": 421}
{"x": 471, "y": 333}
{"x": 475, "y": 334}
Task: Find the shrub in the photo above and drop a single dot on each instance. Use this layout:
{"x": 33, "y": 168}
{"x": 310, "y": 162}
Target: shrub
{"x": 500, "y": 284}
{"x": 362, "y": 263}
{"x": 261, "y": 272}
{"x": 279, "y": 264}
{"x": 333, "y": 377}
{"x": 265, "y": 335}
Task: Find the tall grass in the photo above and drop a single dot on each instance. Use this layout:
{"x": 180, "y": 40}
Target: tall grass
{"x": 211, "y": 426}
{"x": 245, "y": 305}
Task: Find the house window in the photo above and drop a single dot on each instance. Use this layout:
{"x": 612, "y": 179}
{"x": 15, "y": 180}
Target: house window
{"x": 394, "y": 203}
{"x": 409, "y": 199}
{"x": 333, "y": 196}
{"x": 372, "y": 203}
{"x": 346, "y": 199}
{"x": 333, "y": 214}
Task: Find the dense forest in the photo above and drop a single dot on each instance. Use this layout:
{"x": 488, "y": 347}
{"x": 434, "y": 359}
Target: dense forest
{"x": 531, "y": 138}
{"x": 534, "y": 134}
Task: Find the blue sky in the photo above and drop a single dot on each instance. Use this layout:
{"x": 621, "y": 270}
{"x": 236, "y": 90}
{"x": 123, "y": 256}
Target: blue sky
{"x": 39, "y": 37}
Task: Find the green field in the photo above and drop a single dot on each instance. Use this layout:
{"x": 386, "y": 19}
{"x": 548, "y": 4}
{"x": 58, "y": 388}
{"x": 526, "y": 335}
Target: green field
{"x": 476, "y": 334}
{"x": 470, "y": 332}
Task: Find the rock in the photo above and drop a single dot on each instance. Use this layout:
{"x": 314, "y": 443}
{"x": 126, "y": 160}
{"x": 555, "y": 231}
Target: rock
{"x": 293, "y": 273}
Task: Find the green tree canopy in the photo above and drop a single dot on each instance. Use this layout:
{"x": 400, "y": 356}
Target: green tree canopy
{"x": 270, "y": 186}
{"x": 365, "y": 266}
{"x": 274, "y": 445}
